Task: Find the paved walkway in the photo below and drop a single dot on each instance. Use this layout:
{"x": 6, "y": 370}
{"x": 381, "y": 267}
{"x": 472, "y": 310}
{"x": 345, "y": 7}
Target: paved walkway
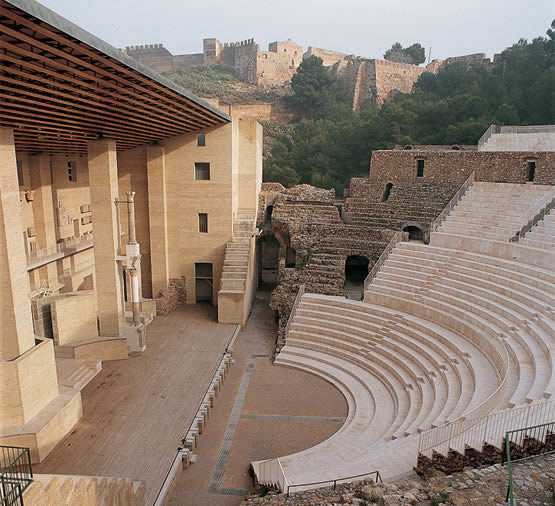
{"x": 137, "y": 410}
{"x": 263, "y": 411}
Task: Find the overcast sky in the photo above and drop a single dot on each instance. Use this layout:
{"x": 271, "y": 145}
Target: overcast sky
{"x": 365, "y": 28}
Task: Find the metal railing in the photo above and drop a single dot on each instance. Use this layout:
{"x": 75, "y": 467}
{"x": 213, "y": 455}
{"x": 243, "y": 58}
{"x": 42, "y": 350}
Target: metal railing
{"x": 490, "y": 429}
{"x": 300, "y": 293}
{"x": 397, "y": 237}
{"x": 16, "y": 474}
{"x": 527, "y": 443}
{"x": 434, "y": 226}
{"x": 539, "y": 215}
{"x": 378, "y": 479}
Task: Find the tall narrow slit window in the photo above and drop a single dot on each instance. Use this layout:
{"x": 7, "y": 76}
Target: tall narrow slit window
{"x": 71, "y": 171}
{"x": 203, "y": 223}
{"x": 201, "y": 140}
{"x": 419, "y": 168}
{"x": 202, "y": 171}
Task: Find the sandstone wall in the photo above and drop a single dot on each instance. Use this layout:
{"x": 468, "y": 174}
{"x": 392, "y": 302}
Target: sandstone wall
{"x": 456, "y": 166}
{"x": 155, "y": 56}
{"x": 328, "y": 57}
{"x": 392, "y": 78}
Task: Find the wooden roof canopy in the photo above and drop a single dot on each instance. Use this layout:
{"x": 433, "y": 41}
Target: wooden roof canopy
{"x": 61, "y": 86}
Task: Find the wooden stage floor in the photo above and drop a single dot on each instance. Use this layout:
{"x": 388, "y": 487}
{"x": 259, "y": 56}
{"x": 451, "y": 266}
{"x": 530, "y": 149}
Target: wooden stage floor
{"x": 137, "y": 410}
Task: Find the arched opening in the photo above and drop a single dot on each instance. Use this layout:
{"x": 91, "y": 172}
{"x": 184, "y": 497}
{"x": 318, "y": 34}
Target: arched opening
{"x": 356, "y": 270}
{"x": 407, "y": 147}
{"x": 456, "y": 148}
{"x": 387, "y": 191}
{"x": 269, "y": 260}
{"x": 267, "y": 225}
{"x": 415, "y": 233}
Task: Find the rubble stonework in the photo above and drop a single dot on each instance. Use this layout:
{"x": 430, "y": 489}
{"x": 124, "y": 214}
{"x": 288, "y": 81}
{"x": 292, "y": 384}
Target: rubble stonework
{"x": 456, "y": 165}
{"x": 533, "y": 482}
{"x": 171, "y": 297}
{"x": 306, "y": 220}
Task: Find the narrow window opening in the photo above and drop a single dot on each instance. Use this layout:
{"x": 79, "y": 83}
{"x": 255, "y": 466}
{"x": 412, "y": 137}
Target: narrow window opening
{"x": 290, "y": 257}
{"x": 201, "y": 140}
{"x": 203, "y": 223}
{"x": 202, "y": 171}
{"x": 531, "y": 171}
{"x": 387, "y": 191}
{"x": 72, "y": 171}
{"x": 419, "y": 168}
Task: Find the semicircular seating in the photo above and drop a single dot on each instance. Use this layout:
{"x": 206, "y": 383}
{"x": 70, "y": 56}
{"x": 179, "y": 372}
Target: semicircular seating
{"x": 443, "y": 335}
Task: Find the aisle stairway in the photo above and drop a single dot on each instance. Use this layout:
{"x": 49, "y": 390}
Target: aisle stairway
{"x": 444, "y": 337}
{"x": 496, "y": 211}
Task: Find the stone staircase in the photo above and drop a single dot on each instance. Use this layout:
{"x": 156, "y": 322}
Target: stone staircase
{"x": 541, "y": 236}
{"x": 496, "y": 211}
{"x": 445, "y": 338}
{"x": 76, "y": 374}
{"x": 236, "y": 260}
{"x": 65, "y": 490}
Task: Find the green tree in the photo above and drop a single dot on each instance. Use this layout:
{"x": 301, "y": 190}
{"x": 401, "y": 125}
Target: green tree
{"x": 414, "y": 54}
{"x": 316, "y": 92}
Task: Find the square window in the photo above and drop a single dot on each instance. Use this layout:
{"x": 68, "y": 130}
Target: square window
{"x": 203, "y": 223}
{"x": 419, "y": 168}
{"x": 202, "y": 171}
{"x": 72, "y": 171}
{"x": 201, "y": 140}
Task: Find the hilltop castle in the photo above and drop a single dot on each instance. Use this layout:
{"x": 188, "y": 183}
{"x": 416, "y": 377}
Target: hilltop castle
{"x": 367, "y": 78}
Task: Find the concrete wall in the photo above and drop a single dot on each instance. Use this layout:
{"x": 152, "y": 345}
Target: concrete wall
{"x": 445, "y": 166}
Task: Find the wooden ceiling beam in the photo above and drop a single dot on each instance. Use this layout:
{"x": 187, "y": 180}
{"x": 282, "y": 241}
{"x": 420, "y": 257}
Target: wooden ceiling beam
{"x": 53, "y": 34}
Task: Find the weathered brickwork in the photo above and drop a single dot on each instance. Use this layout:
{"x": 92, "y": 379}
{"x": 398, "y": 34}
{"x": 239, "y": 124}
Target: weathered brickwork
{"x": 271, "y": 68}
{"x": 405, "y": 205}
{"x": 456, "y": 166}
{"x": 168, "y": 299}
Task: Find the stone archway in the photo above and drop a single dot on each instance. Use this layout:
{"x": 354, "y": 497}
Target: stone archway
{"x": 415, "y": 232}
{"x": 356, "y": 270}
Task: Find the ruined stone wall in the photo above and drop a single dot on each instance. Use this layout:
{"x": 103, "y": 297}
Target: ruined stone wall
{"x": 277, "y": 66}
{"x": 406, "y": 204}
{"x": 154, "y": 56}
{"x": 392, "y": 78}
{"x": 242, "y": 56}
{"x": 456, "y": 166}
{"x": 328, "y": 57}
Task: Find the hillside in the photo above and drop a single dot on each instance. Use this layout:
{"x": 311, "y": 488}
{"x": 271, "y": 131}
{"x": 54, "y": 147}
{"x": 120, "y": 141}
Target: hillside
{"x": 217, "y": 81}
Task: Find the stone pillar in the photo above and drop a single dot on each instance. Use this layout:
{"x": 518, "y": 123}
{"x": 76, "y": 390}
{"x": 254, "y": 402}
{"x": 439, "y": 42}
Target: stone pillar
{"x": 103, "y": 180}
{"x": 43, "y": 209}
{"x": 16, "y": 324}
{"x": 157, "y": 209}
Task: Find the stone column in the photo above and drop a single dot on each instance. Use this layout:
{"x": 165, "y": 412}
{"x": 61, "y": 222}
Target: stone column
{"x": 43, "y": 209}
{"x": 103, "y": 180}
{"x": 16, "y": 324}
{"x": 157, "y": 209}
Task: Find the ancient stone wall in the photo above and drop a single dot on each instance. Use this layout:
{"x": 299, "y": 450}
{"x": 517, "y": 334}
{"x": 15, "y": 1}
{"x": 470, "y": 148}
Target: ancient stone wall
{"x": 392, "y": 78}
{"x": 456, "y": 166}
{"x": 155, "y": 56}
{"x": 277, "y": 66}
{"x": 328, "y": 57}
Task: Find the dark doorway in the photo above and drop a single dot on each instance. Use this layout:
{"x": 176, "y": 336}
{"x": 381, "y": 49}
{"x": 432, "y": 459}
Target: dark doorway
{"x": 387, "y": 191}
{"x": 356, "y": 270}
{"x": 268, "y": 218}
{"x": 415, "y": 233}
{"x": 203, "y": 283}
{"x": 531, "y": 172}
{"x": 269, "y": 260}
{"x": 290, "y": 257}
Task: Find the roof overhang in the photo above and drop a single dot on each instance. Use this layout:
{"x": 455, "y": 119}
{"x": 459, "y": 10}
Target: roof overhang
{"x": 61, "y": 86}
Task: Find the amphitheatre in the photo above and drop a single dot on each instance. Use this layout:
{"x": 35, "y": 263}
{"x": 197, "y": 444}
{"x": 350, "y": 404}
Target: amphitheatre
{"x": 174, "y": 330}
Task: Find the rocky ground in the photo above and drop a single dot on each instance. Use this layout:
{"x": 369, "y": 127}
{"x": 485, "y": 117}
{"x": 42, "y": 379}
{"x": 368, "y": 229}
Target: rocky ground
{"x": 534, "y": 482}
